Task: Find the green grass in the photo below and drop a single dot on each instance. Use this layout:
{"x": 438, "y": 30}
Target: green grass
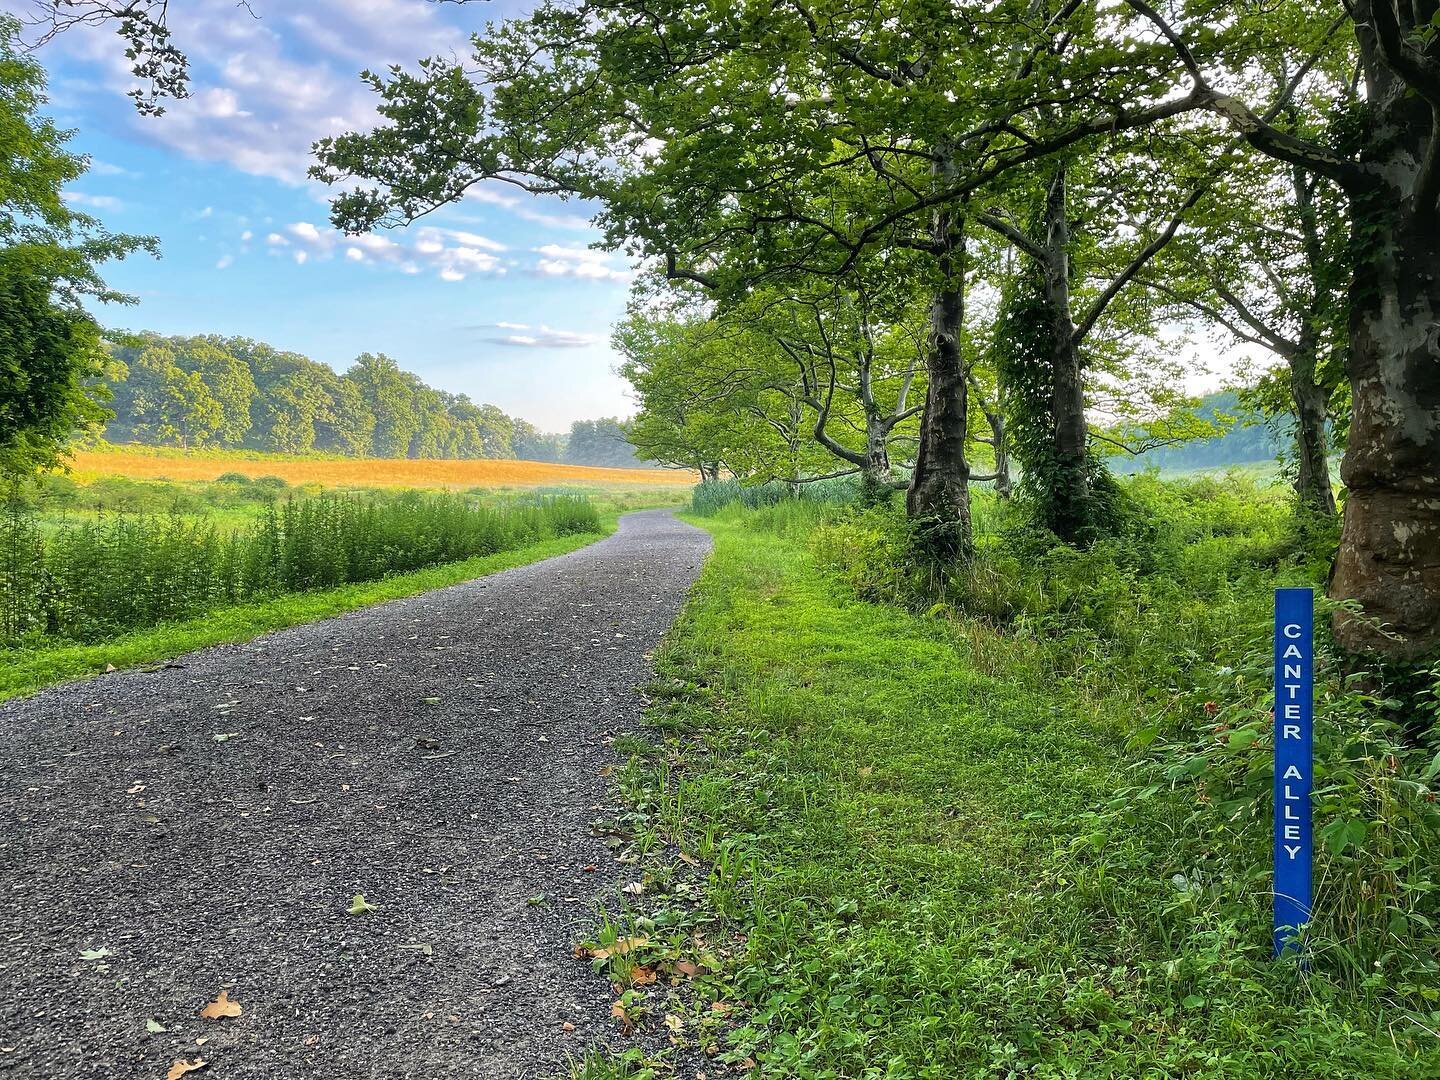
{"x": 901, "y": 871}
{"x": 23, "y": 671}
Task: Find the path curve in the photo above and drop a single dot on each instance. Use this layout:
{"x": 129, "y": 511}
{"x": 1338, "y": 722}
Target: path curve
{"x": 441, "y": 754}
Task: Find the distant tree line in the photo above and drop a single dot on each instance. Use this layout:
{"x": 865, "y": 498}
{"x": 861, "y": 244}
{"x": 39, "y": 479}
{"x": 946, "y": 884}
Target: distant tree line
{"x": 1244, "y": 436}
{"x": 233, "y": 392}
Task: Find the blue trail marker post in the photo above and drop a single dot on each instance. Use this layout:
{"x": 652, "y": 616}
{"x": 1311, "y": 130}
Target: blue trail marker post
{"x": 1294, "y": 761}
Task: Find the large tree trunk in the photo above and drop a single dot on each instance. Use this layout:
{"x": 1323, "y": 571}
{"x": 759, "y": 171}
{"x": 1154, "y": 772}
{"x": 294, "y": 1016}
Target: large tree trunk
{"x": 938, "y": 500}
{"x": 1389, "y": 559}
{"x": 1069, "y": 499}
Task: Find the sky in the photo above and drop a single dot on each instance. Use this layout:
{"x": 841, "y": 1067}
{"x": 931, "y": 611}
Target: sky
{"x": 499, "y": 297}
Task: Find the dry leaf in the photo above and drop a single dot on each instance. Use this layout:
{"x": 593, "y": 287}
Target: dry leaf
{"x": 635, "y": 888}
{"x": 180, "y": 1068}
{"x": 866, "y": 770}
{"x": 620, "y": 948}
{"x": 689, "y": 860}
{"x": 674, "y": 1023}
{"x": 222, "y": 1006}
{"x": 688, "y": 968}
{"x": 567, "y": 1026}
{"x": 721, "y": 1007}
{"x": 641, "y": 975}
{"x": 618, "y": 1012}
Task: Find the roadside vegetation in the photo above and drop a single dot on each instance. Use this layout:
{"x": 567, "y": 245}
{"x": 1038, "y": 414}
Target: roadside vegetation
{"x": 1013, "y": 819}
{"x": 120, "y": 571}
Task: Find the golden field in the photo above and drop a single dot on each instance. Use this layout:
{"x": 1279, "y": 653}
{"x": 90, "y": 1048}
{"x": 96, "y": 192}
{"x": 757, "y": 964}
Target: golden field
{"x": 147, "y": 463}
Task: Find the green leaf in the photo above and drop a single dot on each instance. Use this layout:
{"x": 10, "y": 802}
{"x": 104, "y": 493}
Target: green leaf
{"x": 95, "y": 954}
{"x": 154, "y": 1027}
{"x": 359, "y": 905}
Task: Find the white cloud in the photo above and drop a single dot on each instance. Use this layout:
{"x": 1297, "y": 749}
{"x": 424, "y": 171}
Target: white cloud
{"x": 542, "y": 337}
{"x": 263, "y": 90}
{"x": 92, "y": 202}
{"x": 225, "y": 260}
{"x": 584, "y": 263}
{"x": 429, "y": 249}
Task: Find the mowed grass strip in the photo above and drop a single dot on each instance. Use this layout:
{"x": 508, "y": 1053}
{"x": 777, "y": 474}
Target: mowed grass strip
{"x": 147, "y": 463}
{"x": 23, "y": 671}
{"x": 899, "y": 851}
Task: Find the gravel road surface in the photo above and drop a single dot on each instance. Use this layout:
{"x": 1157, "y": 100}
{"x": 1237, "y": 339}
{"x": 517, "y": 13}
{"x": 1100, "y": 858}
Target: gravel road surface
{"x": 203, "y": 827}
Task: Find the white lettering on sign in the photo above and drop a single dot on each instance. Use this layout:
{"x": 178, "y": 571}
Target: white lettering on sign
{"x": 1290, "y": 731}
{"x": 1291, "y": 630}
{"x": 1291, "y": 650}
{"x": 1292, "y": 773}
{"x": 1292, "y": 850}
{"x": 1292, "y": 671}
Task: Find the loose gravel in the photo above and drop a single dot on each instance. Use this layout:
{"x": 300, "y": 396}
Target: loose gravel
{"x": 168, "y": 834}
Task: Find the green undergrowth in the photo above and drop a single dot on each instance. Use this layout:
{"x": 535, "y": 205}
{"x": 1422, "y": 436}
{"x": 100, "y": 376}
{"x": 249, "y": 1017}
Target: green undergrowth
{"x": 25, "y": 670}
{"x": 901, "y": 839}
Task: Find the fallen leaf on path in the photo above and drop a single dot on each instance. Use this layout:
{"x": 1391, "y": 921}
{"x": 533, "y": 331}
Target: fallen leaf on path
{"x": 641, "y": 975}
{"x": 225, "y": 736}
{"x": 635, "y": 888}
{"x": 618, "y": 1012}
{"x": 421, "y": 948}
{"x": 109, "y": 667}
{"x": 359, "y": 905}
{"x": 154, "y": 1027}
{"x": 222, "y": 1006}
{"x": 180, "y": 1068}
{"x": 689, "y": 860}
{"x": 688, "y": 968}
{"x": 674, "y": 1023}
{"x": 620, "y": 948}
{"x": 95, "y": 954}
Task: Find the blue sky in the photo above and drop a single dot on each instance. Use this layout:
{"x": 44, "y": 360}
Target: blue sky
{"x": 499, "y": 297}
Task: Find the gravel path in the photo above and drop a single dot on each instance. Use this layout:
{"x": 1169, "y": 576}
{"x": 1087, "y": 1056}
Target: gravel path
{"x": 204, "y": 827}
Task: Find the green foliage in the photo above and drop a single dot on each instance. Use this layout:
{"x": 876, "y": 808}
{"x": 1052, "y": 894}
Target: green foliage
{"x": 1078, "y": 505}
{"x": 92, "y": 579}
{"x": 713, "y": 496}
{"x": 50, "y": 359}
{"x": 25, "y": 670}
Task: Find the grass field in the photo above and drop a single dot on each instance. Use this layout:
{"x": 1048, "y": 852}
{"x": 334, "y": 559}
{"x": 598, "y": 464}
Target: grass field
{"x": 883, "y": 843}
{"x": 153, "y": 463}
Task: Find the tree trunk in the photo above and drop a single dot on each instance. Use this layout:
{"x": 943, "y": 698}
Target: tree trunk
{"x": 1069, "y": 498}
{"x": 1312, "y": 476}
{"x": 1389, "y": 558}
{"x": 938, "y": 501}
{"x": 875, "y": 475}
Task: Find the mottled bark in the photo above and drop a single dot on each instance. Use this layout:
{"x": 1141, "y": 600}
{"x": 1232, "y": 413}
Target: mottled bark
{"x": 1389, "y": 558}
{"x": 938, "y": 500}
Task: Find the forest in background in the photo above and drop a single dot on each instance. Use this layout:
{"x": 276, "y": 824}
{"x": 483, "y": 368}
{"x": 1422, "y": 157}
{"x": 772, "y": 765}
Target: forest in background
{"x": 232, "y": 392}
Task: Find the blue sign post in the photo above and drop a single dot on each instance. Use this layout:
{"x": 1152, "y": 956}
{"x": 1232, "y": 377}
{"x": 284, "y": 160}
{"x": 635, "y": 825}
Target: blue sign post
{"x": 1294, "y": 761}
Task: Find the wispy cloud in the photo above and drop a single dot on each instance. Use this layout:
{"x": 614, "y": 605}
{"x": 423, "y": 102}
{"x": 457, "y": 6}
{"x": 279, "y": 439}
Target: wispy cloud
{"x": 92, "y": 202}
{"x": 524, "y": 336}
